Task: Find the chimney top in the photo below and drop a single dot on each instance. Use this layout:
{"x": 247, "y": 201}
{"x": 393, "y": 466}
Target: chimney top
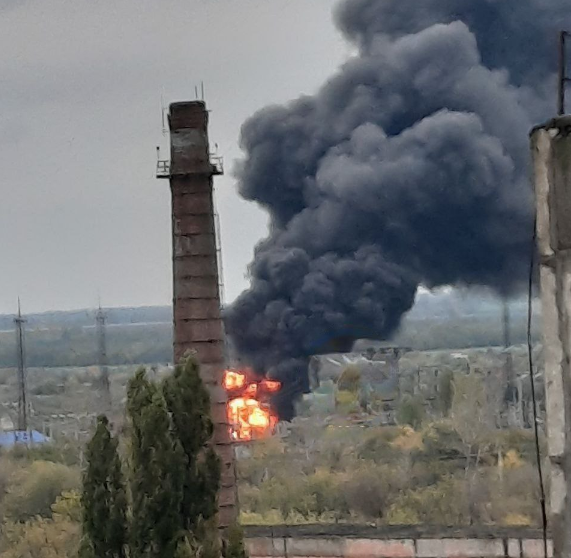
{"x": 188, "y": 114}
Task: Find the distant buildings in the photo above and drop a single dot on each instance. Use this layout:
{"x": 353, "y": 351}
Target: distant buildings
{"x": 385, "y": 377}
{"x": 12, "y": 438}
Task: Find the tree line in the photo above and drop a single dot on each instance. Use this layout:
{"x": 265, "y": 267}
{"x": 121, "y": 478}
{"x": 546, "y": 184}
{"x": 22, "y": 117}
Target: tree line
{"x": 149, "y": 487}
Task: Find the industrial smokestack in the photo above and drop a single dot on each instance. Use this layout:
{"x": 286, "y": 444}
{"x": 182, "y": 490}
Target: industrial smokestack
{"x": 197, "y": 323}
{"x": 408, "y": 167}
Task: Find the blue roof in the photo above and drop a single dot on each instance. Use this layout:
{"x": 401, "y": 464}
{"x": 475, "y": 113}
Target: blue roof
{"x": 9, "y": 439}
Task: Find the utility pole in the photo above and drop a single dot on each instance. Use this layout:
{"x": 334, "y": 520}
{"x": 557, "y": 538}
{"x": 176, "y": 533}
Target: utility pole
{"x": 21, "y": 358}
{"x": 551, "y": 151}
{"x": 563, "y": 78}
{"x": 100, "y": 320}
{"x": 512, "y": 395}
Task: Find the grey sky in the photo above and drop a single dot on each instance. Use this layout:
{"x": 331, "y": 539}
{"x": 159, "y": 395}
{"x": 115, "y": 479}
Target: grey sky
{"x": 81, "y": 213}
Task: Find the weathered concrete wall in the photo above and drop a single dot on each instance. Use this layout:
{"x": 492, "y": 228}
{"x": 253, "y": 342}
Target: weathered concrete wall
{"x": 551, "y": 152}
{"x": 197, "y": 321}
{"x": 397, "y": 542}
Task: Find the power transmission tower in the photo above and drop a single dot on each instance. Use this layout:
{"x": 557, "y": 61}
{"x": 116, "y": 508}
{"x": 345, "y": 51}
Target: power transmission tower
{"x": 22, "y": 387}
{"x": 101, "y": 320}
{"x": 512, "y": 395}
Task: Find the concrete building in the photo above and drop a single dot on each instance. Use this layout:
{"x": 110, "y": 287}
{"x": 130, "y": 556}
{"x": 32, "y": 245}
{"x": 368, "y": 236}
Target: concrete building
{"x": 22, "y": 437}
{"x": 551, "y": 151}
{"x": 379, "y": 370}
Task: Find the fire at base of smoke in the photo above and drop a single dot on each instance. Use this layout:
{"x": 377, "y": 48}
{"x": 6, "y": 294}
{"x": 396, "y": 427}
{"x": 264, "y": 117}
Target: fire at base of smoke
{"x": 407, "y": 168}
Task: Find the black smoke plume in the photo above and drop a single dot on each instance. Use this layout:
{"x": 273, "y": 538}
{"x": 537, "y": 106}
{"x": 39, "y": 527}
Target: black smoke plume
{"x": 408, "y": 167}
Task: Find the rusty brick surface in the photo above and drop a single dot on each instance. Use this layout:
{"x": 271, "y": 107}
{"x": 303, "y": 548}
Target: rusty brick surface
{"x": 460, "y": 548}
{"x": 260, "y": 547}
{"x": 195, "y": 245}
{"x": 265, "y": 547}
{"x": 186, "y": 163}
{"x": 207, "y": 353}
{"x": 196, "y": 287}
{"x": 226, "y": 498}
{"x": 197, "y": 225}
{"x": 197, "y": 308}
{"x": 227, "y": 515}
{"x": 192, "y": 183}
{"x": 197, "y": 324}
{"x": 375, "y": 548}
{"x": 211, "y": 373}
{"x": 330, "y": 544}
{"x": 217, "y": 394}
{"x": 221, "y": 426}
{"x": 514, "y": 548}
{"x": 188, "y": 114}
{"x": 220, "y": 437}
{"x": 227, "y": 453}
{"x": 534, "y": 548}
{"x": 195, "y": 266}
{"x": 227, "y": 479}
{"x": 329, "y": 547}
{"x": 219, "y": 415}
{"x": 192, "y": 204}
{"x": 191, "y": 331}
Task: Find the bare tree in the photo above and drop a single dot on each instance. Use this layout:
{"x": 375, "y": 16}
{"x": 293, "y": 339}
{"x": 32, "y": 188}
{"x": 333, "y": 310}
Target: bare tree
{"x": 470, "y": 414}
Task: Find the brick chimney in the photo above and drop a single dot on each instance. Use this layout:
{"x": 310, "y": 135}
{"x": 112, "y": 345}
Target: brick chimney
{"x": 197, "y": 322}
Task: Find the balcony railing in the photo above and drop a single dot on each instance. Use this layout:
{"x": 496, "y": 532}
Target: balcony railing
{"x": 217, "y": 164}
{"x": 164, "y": 167}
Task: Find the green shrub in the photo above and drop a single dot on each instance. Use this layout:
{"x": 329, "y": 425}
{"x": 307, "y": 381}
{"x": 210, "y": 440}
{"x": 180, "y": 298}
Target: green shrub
{"x": 34, "y": 489}
{"x": 440, "y": 504}
{"x": 411, "y": 411}
{"x": 370, "y": 490}
{"x": 350, "y": 379}
{"x": 66, "y": 452}
{"x": 49, "y": 387}
{"x": 377, "y": 445}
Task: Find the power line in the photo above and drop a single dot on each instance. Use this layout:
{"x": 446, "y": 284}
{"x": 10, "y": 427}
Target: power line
{"x": 533, "y": 394}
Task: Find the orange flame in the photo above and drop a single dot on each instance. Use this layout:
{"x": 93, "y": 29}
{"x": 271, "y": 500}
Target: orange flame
{"x": 234, "y": 380}
{"x": 249, "y": 419}
{"x": 249, "y": 414}
{"x": 252, "y": 390}
{"x": 271, "y": 386}
{"x": 259, "y": 418}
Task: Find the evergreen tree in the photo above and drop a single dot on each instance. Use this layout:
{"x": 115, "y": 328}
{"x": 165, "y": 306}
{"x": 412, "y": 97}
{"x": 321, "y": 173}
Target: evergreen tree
{"x": 189, "y": 404}
{"x": 234, "y": 547}
{"x": 157, "y": 475}
{"x": 104, "y": 499}
{"x": 174, "y": 476}
{"x": 445, "y": 392}
{"x": 204, "y": 542}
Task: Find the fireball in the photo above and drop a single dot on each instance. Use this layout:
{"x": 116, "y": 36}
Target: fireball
{"x": 234, "y": 380}
{"x": 249, "y": 413}
{"x": 271, "y": 386}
